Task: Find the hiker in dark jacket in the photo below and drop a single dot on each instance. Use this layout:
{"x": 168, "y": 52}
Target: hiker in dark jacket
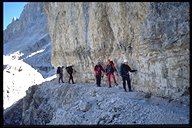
{"x": 110, "y": 69}
{"x": 124, "y": 70}
{"x": 98, "y": 73}
{"x": 60, "y": 72}
{"x": 69, "y": 70}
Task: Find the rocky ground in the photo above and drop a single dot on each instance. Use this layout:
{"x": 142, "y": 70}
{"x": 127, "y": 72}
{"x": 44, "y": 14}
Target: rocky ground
{"x": 51, "y": 103}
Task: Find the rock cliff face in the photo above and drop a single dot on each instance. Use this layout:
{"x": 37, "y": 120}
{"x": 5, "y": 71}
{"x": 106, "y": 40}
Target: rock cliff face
{"x": 29, "y": 37}
{"x": 154, "y": 37}
{"x": 33, "y": 13}
{"x": 27, "y": 53}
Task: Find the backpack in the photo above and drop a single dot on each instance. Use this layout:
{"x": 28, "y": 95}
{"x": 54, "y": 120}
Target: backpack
{"x": 69, "y": 69}
{"x": 109, "y": 69}
{"x": 58, "y": 70}
{"x": 113, "y": 65}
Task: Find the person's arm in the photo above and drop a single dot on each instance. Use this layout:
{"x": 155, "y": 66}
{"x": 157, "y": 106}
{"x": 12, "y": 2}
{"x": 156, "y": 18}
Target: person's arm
{"x": 74, "y": 70}
{"x": 106, "y": 69}
{"x": 102, "y": 69}
{"x": 115, "y": 69}
{"x": 131, "y": 69}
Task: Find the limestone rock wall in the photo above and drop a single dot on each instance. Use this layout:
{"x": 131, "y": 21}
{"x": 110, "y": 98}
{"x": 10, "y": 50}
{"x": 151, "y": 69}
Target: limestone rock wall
{"x": 154, "y": 37}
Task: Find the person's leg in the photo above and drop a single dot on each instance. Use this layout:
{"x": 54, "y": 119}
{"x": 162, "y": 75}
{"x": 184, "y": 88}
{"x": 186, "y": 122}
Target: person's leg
{"x": 114, "y": 78}
{"x": 124, "y": 83}
{"x": 69, "y": 78}
{"x": 109, "y": 79}
{"x": 129, "y": 84}
{"x": 99, "y": 81}
{"x": 58, "y": 77}
{"x": 72, "y": 79}
{"x": 62, "y": 78}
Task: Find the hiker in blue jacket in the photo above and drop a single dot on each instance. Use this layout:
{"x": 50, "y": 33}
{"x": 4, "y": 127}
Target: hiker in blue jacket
{"x": 124, "y": 71}
{"x": 110, "y": 69}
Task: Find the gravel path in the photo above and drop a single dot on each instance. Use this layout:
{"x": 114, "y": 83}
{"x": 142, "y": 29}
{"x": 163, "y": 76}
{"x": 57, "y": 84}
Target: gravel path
{"x": 88, "y": 104}
{"x": 51, "y": 103}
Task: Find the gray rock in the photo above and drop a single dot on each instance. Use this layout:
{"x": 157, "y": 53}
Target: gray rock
{"x": 84, "y": 106}
{"x": 154, "y": 37}
{"x": 44, "y": 105}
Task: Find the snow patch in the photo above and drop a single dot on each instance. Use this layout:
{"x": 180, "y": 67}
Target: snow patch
{"x": 34, "y": 53}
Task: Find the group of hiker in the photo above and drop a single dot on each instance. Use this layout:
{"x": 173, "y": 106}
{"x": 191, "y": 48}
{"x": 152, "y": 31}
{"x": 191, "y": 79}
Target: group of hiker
{"x": 69, "y": 70}
{"x": 109, "y": 70}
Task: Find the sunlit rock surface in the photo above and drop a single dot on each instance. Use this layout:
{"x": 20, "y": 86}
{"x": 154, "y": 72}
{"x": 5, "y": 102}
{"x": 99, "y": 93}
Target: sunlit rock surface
{"x": 154, "y": 37}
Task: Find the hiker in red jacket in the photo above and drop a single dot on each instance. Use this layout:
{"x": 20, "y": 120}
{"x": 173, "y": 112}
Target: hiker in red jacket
{"x": 98, "y": 73}
{"x": 110, "y": 69}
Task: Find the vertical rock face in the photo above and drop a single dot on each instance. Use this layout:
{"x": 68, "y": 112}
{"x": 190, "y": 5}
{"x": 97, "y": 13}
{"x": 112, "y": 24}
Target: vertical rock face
{"x": 32, "y": 14}
{"x": 154, "y": 37}
{"x": 29, "y": 36}
{"x": 27, "y": 53}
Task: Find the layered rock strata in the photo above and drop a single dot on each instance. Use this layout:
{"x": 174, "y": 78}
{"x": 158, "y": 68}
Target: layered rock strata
{"x": 154, "y": 37}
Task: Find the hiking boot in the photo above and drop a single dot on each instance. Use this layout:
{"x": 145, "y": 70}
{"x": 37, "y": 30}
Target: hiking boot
{"x": 116, "y": 84}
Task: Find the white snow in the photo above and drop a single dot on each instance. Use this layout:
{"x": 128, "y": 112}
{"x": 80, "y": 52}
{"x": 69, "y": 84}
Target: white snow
{"x": 31, "y": 49}
{"x": 17, "y": 77}
{"x": 34, "y": 53}
{"x": 14, "y": 18}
